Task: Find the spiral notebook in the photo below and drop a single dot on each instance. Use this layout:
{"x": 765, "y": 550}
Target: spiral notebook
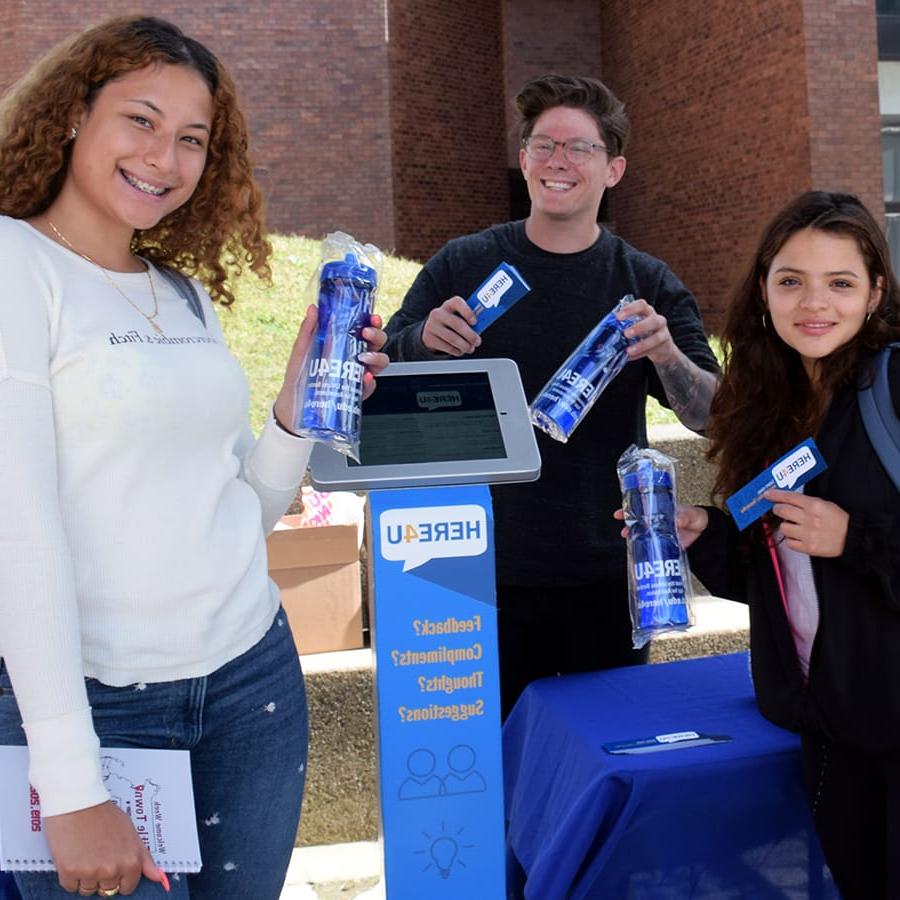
{"x": 153, "y": 786}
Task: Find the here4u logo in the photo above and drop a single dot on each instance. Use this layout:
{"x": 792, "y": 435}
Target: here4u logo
{"x": 415, "y": 536}
{"x": 458, "y": 530}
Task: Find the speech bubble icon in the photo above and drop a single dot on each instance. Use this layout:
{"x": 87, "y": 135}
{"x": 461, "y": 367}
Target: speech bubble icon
{"x": 792, "y": 467}
{"x": 432, "y": 400}
{"x": 491, "y": 294}
{"x": 416, "y": 536}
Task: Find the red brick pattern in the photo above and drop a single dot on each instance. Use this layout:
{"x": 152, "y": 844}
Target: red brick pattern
{"x": 312, "y": 81}
{"x": 731, "y": 114}
{"x": 447, "y": 121}
{"x": 842, "y": 86}
{"x": 568, "y": 41}
{"x": 391, "y": 119}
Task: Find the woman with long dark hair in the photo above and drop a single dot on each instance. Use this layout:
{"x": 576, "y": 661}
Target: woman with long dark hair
{"x": 821, "y": 571}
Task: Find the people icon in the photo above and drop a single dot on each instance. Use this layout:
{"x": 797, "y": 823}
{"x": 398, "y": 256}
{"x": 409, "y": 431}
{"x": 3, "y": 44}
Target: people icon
{"x": 463, "y": 778}
{"x": 421, "y": 782}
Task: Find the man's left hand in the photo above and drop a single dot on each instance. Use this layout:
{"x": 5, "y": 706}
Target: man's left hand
{"x": 652, "y": 331}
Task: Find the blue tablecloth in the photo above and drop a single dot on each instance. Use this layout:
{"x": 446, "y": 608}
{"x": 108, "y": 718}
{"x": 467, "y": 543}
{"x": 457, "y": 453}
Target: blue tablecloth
{"x": 726, "y": 820}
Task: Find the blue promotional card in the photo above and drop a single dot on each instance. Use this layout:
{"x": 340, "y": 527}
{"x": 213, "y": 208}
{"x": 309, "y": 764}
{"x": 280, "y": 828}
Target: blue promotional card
{"x": 500, "y": 290}
{"x": 794, "y": 469}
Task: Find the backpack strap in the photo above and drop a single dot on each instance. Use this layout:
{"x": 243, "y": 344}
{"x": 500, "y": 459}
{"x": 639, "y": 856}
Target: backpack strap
{"x": 880, "y": 420}
{"x": 185, "y": 288}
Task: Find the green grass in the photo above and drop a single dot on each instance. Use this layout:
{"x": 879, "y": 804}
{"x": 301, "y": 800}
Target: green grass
{"x": 262, "y": 324}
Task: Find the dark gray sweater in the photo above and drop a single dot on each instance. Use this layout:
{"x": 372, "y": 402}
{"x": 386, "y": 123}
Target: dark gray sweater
{"x": 559, "y": 529}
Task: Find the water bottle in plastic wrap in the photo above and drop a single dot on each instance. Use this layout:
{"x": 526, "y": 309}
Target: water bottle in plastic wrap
{"x": 330, "y": 393}
{"x": 658, "y": 575}
{"x": 568, "y": 396}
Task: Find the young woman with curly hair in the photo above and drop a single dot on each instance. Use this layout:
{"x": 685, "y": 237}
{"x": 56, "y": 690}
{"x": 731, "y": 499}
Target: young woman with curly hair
{"x": 135, "y": 607}
{"x": 220, "y": 221}
{"x": 821, "y": 572}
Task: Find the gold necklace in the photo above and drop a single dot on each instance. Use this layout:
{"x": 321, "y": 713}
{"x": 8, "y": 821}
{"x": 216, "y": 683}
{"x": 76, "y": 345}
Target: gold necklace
{"x": 106, "y": 275}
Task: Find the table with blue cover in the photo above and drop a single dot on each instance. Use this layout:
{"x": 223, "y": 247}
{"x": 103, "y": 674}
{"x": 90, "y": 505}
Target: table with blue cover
{"x": 724, "y": 820}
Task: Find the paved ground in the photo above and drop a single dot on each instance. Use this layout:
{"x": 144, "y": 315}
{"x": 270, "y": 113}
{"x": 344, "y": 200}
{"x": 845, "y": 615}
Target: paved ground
{"x": 335, "y": 872}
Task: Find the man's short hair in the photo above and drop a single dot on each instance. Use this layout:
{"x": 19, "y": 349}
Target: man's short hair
{"x": 589, "y": 94}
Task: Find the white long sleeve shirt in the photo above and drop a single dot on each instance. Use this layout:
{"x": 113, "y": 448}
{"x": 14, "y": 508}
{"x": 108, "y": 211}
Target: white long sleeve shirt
{"x": 134, "y": 499}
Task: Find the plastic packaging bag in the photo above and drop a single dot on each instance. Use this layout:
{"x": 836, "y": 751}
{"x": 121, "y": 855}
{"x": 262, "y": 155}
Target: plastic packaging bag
{"x": 659, "y": 579}
{"x": 328, "y": 404}
{"x": 568, "y": 396}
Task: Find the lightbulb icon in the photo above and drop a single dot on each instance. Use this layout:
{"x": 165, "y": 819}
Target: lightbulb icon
{"x": 443, "y": 852}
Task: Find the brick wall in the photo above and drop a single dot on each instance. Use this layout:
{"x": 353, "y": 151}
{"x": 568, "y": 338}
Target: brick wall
{"x": 9, "y": 46}
{"x": 567, "y": 42}
{"x": 735, "y": 110}
{"x": 312, "y": 75}
{"x": 312, "y": 81}
{"x": 717, "y": 99}
{"x": 447, "y": 121}
{"x": 390, "y": 119}
{"x": 842, "y": 84}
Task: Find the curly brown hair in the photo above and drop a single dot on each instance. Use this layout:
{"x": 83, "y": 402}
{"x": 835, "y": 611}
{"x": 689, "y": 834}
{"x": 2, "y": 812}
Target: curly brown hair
{"x": 219, "y": 229}
{"x": 754, "y": 417}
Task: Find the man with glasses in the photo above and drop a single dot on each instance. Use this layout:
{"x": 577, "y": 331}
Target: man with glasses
{"x": 561, "y": 573}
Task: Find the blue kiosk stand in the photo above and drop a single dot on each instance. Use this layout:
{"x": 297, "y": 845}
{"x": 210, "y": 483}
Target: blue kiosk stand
{"x": 433, "y": 435}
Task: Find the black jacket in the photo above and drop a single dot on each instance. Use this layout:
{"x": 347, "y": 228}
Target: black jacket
{"x": 853, "y": 692}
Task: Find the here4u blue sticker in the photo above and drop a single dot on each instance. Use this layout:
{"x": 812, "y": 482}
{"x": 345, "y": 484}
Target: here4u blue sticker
{"x": 499, "y": 291}
{"x": 793, "y": 470}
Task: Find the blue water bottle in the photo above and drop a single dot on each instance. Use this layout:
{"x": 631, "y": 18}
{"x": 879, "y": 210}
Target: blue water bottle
{"x": 331, "y": 404}
{"x": 658, "y": 575}
{"x": 568, "y": 396}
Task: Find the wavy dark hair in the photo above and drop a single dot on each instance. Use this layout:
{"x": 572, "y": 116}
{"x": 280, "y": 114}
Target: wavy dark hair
{"x": 219, "y": 229}
{"x": 754, "y": 417}
{"x": 590, "y": 94}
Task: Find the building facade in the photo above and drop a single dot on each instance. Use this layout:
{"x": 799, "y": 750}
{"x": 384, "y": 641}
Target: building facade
{"x": 392, "y": 119}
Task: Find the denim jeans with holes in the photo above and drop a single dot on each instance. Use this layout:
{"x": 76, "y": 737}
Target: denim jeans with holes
{"x": 246, "y": 728}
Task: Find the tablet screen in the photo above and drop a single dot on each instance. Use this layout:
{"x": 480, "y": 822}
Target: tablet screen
{"x": 430, "y": 417}
{"x": 440, "y": 422}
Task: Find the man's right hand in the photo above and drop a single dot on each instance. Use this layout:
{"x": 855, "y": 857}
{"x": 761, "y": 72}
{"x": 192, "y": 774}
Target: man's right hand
{"x": 96, "y": 848}
{"x": 448, "y": 328}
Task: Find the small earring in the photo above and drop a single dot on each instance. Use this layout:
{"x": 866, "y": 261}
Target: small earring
{"x": 868, "y": 316}
{"x": 73, "y": 133}
{"x": 763, "y": 317}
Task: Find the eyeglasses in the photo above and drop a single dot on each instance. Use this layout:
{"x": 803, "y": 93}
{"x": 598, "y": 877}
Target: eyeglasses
{"x": 577, "y": 151}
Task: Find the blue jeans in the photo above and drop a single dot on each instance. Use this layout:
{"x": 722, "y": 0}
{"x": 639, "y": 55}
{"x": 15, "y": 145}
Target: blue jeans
{"x": 246, "y": 728}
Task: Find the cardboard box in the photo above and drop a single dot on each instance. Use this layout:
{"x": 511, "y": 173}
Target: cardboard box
{"x": 317, "y": 569}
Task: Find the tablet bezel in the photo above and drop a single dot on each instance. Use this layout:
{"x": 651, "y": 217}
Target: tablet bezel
{"x": 330, "y": 472}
